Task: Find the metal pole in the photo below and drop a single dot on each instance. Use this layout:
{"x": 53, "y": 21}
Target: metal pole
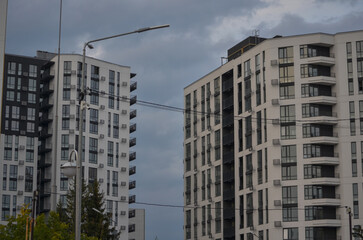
{"x": 82, "y": 106}
{"x": 55, "y": 130}
{"x": 35, "y": 197}
{"x": 349, "y": 212}
{"x": 82, "y": 100}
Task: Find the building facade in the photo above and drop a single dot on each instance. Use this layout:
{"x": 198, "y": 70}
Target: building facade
{"x": 137, "y": 224}
{"x": 107, "y": 131}
{"x": 273, "y": 141}
{"x": 19, "y": 132}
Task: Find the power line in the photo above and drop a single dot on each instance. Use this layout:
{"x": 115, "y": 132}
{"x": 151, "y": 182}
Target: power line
{"x": 216, "y": 114}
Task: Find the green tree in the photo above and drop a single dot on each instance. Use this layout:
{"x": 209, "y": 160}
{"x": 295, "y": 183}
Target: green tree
{"x": 44, "y": 229}
{"x": 358, "y": 232}
{"x": 95, "y": 223}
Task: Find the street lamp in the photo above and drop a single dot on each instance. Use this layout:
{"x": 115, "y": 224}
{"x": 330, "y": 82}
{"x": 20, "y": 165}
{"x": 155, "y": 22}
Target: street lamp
{"x": 83, "y": 105}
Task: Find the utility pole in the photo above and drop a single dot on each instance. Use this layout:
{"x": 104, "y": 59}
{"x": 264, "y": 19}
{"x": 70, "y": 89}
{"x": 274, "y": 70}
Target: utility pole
{"x": 349, "y": 212}
{"x": 34, "y": 205}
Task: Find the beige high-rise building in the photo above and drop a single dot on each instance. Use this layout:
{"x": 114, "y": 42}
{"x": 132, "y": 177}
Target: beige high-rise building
{"x": 273, "y": 145}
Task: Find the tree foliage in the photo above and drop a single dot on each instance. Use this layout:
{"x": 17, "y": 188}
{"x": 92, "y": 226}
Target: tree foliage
{"x": 44, "y": 229}
{"x": 94, "y": 223}
{"x": 358, "y": 232}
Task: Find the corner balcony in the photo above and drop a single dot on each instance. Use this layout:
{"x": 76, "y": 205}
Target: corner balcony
{"x": 132, "y": 156}
{"x": 132, "y": 185}
{"x": 132, "y": 113}
{"x": 133, "y": 86}
{"x": 132, "y": 170}
{"x": 133, "y": 100}
{"x": 132, "y": 199}
{"x": 45, "y": 119}
{"x": 132, "y": 127}
{"x": 45, "y": 133}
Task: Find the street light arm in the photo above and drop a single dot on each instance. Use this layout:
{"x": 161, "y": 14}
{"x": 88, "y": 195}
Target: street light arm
{"x": 128, "y": 33}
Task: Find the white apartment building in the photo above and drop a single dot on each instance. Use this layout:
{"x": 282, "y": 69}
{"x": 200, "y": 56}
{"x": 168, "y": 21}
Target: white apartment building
{"x": 137, "y": 222}
{"x": 43, "y": 138}
{"x": 273, "y": 141}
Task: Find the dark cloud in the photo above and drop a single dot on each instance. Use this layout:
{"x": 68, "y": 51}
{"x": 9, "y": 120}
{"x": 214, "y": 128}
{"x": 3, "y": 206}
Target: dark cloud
{"x": 165, "y": 60}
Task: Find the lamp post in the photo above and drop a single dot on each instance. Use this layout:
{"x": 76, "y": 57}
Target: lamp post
{"x": 83, "y": 105}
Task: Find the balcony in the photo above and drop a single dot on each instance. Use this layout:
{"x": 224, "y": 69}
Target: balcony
{"x": 326, "y": 100}
{"x": 323, "y": 80}
{"x": 132, "y": 185}
{"x": 132, "y": 213}
{"x": 325, "y": 201}
{"x": 324, "y": 160}
{"x": 44, "y": 149}
{"x": 132, "y": 155}
{"x": 132, "y": 199}
{"x": 227, "y": 103}
{"x": 330, "y": 120}
{"x": 326, "y": 223}
{"x": 228, "y": 194}
{"x": 132, "y": 127}
{"x": 228, "y": 120}
{"x": 132, "y": 170}
{"x": 46, "y": 104}
{"x": 228, "y": 139}
{"x": 47, "y": 90}
{"x": 334, "y": 181}
{"x": 228, "y": 157}
{"x": 47, "y": 75}
{"x": 321, "y": 60}
{"x": 133, "y": 100}
{"x": 45, "y": 133}
{"x": 133, "y": 86}
{"x": 45, "y": 162}
{"x": 132, "y": 228}
{"x": 45, "y": 119}
{"x": 132, "y": 113}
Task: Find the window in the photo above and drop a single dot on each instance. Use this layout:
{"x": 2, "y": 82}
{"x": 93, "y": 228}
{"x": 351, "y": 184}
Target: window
{"x": 93, "y": 121}
{"x": 350, "y": 87}
{"x": 28, "y": 179}
{"x": 13, "y": 178}
{"x": 359, "y": 49}
{"x": 64, "y": 147}
{"x": 286, "y": 74}
{"x": 31, "y": 114}
{"x": 349, "y": 49}
{"x": 286, "y": 55}
{"x": 32, "y": 85}
{"x": 288, "y": 125}
{"x": 350, "y": 68}
{"x": 249, "y": 171}
{"x": 116, "y": 119}
{"x": 67, "y": 67}
{"x": 95, "y": 72}
{"x": 33, "y": 71}
{"x": 289, "y": 204}
{"x": 93, "y": 149}
{"x": 249, "y": 209}
{"x": 10, "y": 95}
{"x": 218, "y": 181}
{"x": 65, "y": 116}
{"x": 32, "y": 98}
{"x": 114, "y": 183}
{"x": 217, "y": 146}
{"x": 5, "y": 213}
{"x": 11, "y": 82}
{"x": 287, "y": 91}
{"x": 11, "y": 67}
{"x": 109, "y": 153}
{"x": 63, "y": 182}
{"x": 30, "y": 127}
{"x": 111, "y": 89}
{"x": 259, "y": 167}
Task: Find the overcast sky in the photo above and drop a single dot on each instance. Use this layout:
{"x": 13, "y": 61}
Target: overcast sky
{"x": 166, "y": 61}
